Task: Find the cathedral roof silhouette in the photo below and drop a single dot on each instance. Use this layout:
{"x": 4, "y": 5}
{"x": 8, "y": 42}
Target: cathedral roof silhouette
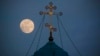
{"x": 50, "y": 49}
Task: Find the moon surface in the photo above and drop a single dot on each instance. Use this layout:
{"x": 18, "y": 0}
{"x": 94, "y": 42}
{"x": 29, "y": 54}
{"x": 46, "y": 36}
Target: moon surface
{"x": 27, "y": 25}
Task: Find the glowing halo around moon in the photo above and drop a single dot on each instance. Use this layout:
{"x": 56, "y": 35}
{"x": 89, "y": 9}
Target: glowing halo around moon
{"x": 27, "y": 25}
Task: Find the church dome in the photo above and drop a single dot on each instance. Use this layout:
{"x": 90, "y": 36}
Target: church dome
{"x": 50, "y": 49}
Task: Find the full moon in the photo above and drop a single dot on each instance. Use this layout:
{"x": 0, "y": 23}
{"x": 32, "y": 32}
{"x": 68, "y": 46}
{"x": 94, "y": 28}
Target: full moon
{"x": 27, "y": 25}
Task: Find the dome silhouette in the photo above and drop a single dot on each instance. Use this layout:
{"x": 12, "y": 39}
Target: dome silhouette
{"x": 50, "y": 49}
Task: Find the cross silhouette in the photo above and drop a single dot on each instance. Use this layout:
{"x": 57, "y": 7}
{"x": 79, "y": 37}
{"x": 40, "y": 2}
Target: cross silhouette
{"x": 50, "y": 11}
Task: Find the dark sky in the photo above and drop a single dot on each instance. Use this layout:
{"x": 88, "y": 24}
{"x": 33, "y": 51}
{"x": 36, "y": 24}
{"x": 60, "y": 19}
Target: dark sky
{"x": 81, "y": 19}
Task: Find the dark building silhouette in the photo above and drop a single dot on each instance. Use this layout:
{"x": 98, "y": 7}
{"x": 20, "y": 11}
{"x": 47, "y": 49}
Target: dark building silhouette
{"x": 50, "y": 49}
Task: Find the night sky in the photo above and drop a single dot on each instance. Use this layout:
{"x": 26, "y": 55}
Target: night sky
{"x": 81, "y": 18}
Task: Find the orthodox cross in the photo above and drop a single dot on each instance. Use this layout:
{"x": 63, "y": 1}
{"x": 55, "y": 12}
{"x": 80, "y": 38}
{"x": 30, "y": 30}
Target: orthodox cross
{"x": 50, "y": 11}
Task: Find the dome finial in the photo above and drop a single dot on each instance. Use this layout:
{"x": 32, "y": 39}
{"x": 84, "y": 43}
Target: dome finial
{"x": 50, "y": 37}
